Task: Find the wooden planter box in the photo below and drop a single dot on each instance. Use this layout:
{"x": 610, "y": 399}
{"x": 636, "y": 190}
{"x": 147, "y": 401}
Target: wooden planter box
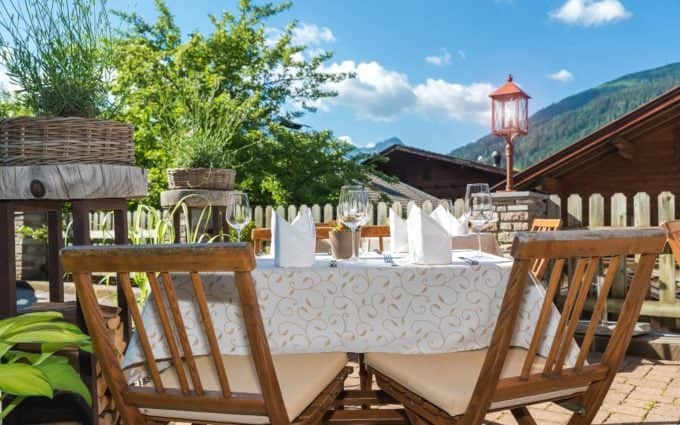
{"x": 68, "y": 140}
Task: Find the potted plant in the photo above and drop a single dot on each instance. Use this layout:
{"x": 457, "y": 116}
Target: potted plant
{"x": 204, "y": 145}
{"x": 340, "y": 238}
{"x": 58, "y": 53}
{"x": 41, "y": 373}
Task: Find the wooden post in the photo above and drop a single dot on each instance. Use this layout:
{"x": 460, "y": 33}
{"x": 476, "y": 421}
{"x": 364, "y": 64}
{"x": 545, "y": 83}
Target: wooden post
{"x": 121, "y": 238}
{"x": 8, "y": 277}
{"x": 575, "y": 211}
{"x": 55, "y": 242}
{"x": 666, "y": 206}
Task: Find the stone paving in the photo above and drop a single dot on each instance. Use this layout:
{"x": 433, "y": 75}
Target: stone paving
{"x": 644, "y": 391}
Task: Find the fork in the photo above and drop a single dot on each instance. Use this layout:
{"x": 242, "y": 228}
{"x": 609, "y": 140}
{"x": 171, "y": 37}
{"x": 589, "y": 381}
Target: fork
{"x": 389, "y": 260}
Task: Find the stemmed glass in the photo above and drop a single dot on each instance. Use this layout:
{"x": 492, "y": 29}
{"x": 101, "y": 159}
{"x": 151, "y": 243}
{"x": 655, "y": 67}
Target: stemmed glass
{"x": 479, "y": 208}
{"x": 238, "y": 211}
{"x": 354, "y": 208}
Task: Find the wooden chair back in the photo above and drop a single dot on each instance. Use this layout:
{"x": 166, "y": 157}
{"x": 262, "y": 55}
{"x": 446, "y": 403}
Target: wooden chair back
{"x": 157, "y": 262}
{"x": 673, "y": 233}
{"x": 540, "y": 265}
{"x": 586, "y": 248}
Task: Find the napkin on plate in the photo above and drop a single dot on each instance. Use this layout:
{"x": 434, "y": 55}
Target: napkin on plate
{"x": 429, "y": 242}
{"x": 398, "y": 233}
{"x": 455, "y": 226}
{"x": 293, "y": 244}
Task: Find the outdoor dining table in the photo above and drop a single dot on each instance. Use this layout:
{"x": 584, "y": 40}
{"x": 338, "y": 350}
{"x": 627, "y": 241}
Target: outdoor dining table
{"x": 365, "y": 306}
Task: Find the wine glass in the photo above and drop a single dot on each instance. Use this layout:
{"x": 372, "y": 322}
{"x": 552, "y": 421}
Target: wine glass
{"x": 353, "y": 210}
{"x": 238, "y": 211}
{"x": 479, "y": 208}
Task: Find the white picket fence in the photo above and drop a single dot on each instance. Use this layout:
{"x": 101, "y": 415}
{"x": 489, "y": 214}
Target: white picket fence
{"x": 619, "y": 210}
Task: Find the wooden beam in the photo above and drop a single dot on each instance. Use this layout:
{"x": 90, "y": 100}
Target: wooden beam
{"x": 625, "y": 148}
{"x": 549, "y": 185}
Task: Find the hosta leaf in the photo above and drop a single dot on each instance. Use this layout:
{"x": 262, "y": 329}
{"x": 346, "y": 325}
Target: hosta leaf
{"x": 28, "y": 318}
{"x": 63, "y": 377}
{"x": 22, "y": 379}
{"x": 48, "y": 335}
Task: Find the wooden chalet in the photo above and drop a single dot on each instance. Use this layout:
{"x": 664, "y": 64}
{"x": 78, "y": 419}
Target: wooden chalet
{"x": 638, "y": 152}
{"x": 442, "y": 176}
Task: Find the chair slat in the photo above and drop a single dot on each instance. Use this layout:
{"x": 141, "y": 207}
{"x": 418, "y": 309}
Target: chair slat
{"x": 566, "y": 313}
{"x": 157, "y": 296}
{"x": 126, "y": 286}
{"x": 601, "y": 301}
{"x": 546, "y": 309}
{"x": 210, "y": 333}
{"x": 584, "y": 288}
{"x": 181, "y": 332}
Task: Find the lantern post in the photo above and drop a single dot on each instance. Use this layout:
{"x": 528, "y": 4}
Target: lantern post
{"x": 509, "y": 119}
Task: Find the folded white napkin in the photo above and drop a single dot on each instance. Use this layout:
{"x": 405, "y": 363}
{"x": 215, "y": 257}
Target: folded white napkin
{"x": 398, "y": 233}
{"x": 294, "y": 244}
{"x": 429, "y": 242}
{"x": 452, "y": 224}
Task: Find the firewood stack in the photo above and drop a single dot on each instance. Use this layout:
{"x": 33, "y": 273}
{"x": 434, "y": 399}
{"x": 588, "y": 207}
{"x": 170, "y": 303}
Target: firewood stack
{"x": 108, "y": 415}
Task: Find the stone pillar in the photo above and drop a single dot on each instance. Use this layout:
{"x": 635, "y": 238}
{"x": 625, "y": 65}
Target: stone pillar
{"x": 516, "y": 210}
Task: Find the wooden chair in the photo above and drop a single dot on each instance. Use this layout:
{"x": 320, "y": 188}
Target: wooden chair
{"x": 540, "y": 265}
{"x": 215, "y": 388}
{"x": 462, "y": 387}
{"x": 673, "y": 230}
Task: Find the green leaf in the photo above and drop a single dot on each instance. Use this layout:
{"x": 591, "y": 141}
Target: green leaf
{"x": 63, "y": 377}
{"x": 13, "y": 323}
{"x": 22, "y": 379}
{"x": 4, "y": 348}
{"x": 49, "y": 335}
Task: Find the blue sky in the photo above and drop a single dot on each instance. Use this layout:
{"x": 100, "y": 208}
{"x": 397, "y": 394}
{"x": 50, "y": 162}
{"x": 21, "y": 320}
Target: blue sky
{"x": 554, "y": 48}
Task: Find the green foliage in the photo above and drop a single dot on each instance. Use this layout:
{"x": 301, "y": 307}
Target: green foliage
{"x": 38, "y": 233}
{"x": 574, "y": 117}
{"x": 58, "y": 51}
{"x": 25, "y": 374}
{"x": 269, "y": 84}
{"x": 246, "y": 233}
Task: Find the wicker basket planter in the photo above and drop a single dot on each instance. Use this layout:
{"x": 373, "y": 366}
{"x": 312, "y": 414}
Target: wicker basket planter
{"x": 42, "y": 141}
{"x": 201, "y": 178}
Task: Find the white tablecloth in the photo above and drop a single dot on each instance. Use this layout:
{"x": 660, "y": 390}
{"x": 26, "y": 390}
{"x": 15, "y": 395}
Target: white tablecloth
{"x": 357, "y": 307}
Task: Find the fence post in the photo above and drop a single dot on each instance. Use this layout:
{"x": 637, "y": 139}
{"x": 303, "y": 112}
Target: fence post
{"x": 292, "y": 212}
{"x": 618, "y": 219}
{"x": 382, "y": 213}
{"x": 666, "y": 204}
{"x": 268, "y": 216}
{"x": 459, "y": 207}
{"x": 574, "y": 211}
{"x": 258, "y": 219}
{"x": 427, "y": 207}
{"x": 596, "y": 210}
{"x": 316, "y": 213}
{"x": 396, "y": 206}
{"x": 327, "y": 213}
{"x": 555, "y": 207}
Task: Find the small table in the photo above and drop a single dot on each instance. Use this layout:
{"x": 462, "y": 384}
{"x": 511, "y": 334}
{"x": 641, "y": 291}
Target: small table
{"x": 197, "y": 199}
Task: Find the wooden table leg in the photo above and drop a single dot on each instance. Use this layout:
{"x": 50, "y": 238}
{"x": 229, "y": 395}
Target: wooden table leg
{"x": 8, "y": 276}
{"x": 365, "y": 378}
{"x": 176, "y": 224}
{"x": 55, "y": 242}
{"x": 88, "y": 371}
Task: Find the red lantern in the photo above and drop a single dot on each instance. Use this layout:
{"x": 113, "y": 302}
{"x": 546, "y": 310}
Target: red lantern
{"x": 509, "y": 119}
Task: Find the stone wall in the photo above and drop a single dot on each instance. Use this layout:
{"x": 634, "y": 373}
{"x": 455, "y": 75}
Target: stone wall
{"x": 516, "y": 211}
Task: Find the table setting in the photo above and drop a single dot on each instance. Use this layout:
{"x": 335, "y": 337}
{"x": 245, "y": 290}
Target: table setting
{"x": 419, "y": 297}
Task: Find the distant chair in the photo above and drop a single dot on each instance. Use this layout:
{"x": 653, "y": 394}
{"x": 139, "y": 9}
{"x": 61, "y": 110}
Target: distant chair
{"x": 673, "y": 231}
{"x": 540, "y": 265}
{"x": 258, "y": 236}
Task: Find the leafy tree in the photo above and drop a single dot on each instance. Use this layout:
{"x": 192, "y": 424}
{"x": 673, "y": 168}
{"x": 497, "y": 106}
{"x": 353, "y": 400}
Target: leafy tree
{"x": 158, "y": 73}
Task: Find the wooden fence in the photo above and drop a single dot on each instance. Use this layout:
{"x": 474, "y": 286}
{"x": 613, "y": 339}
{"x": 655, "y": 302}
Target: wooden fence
{"x": 619, "y": 210}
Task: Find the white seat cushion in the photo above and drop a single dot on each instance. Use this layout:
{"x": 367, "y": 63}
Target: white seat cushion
{"x": 448, "y": 380}
{"x": 302, "y": 377}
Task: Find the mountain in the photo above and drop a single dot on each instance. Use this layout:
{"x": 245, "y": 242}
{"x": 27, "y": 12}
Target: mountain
{"x": 378, "y": 147}
{"x": 574, "y": 117}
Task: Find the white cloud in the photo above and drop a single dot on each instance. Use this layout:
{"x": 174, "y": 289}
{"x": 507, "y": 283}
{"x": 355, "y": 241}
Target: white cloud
{"x": 440, "y": 98}
{"x": 6, "y": 83}
{"x": 461, "y": 53}
{"x": 442, "y": 59}
{"x": 312, "y": 35}
{"x": 347, "y": 139}
{"x": 590, "y": 12}
{"x": 304, "y": 34}
{"x": 381, "y": 94}
{"x": 562, "y": 75}
{"x": 376, "y": 93}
